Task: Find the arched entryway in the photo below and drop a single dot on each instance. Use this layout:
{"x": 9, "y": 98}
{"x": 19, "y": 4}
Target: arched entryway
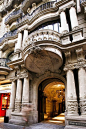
{"x": 51, "y": 100}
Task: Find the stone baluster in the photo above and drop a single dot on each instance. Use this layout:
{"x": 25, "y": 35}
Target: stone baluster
{"x": 19, "y": 42}
{"x": 45, "y": 35}
{"x": 72, "y": 105}
{"x": 13, "y": 95}
{"x": 25, "y": 36}
{"x": 74, "y": 24}
{"x": 18, "y": 96}
{"x": 40, "y": 36}
{"x": 25, "y": 97}
{"x": 0, "y": 53}
{"x": 82, "y": 90}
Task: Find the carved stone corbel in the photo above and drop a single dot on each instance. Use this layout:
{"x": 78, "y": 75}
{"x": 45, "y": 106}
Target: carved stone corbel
{"x": 80, "y": 54}
{"x": 68, "y": 57}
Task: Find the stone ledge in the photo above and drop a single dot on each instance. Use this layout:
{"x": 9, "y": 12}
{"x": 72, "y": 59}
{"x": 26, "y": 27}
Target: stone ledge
{"x": 74, "y": 127}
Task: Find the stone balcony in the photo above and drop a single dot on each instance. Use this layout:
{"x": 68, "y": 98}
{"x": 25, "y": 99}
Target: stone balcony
{"x": 13, "y": 16}
{"x": 37, "y": 12}
{"x": 42, "y": 35}
{"x": 44, "y": 45}
{"x": 83, "y": 2}
{"x": 4, "y": 69}
{"x": 8, "y": 35}
{"x": 27, "y": 3}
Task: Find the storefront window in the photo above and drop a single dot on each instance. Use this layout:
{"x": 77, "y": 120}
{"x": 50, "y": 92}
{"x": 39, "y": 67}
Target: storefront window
{"x": 5, "y": 101}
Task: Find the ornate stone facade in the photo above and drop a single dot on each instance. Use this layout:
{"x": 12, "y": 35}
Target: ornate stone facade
{"x": 43, "y": 40}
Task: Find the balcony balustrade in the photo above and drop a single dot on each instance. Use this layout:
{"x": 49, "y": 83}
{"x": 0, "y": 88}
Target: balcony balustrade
{"x": 3, "y": 62}
{"x": 13, "y": 16}
{"x": 82, "y": 1}
{"x": 8, "y": 35}
{"x": 42, "y": 35}
{"x": 36, "y": 11}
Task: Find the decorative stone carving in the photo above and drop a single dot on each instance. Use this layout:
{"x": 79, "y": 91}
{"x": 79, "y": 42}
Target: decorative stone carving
{"x": 17, "y": 106}
{"x": 83, "y": 106}
{"x": 68, "y": 57}
{"x": 72, "y": 107}
{"x": 35, "y": 50}
{"x": 42, "y": 35}
{"x": 75, "y": 65}
{"x": 80, "y": 55}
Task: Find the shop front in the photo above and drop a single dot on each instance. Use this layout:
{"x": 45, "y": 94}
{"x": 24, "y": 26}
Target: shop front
{"x": 4, "y": 98}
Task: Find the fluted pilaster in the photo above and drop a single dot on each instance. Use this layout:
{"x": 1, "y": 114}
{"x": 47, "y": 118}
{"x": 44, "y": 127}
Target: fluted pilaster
{"x": 72, "y": 105}
{"x": 13, "y": 95}
{"x": 18, "y": 95}
{"x": 82, "y": 90}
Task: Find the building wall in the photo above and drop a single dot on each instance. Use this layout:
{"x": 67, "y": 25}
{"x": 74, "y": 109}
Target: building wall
{"x": 82, "y": 23}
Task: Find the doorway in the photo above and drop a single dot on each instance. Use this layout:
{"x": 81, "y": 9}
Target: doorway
{"x": 51, "y": 100}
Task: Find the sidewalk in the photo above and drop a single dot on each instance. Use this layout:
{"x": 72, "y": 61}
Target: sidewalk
{"x": 34, "y": 126}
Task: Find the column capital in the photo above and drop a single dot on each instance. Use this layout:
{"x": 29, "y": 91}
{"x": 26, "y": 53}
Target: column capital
{"x": 62, "y": 10}
{"x": 80, "y": 54}
{"x": 67, "y": 54}
{"x": 79, "y": 50}
{"x": 69, "y": 67}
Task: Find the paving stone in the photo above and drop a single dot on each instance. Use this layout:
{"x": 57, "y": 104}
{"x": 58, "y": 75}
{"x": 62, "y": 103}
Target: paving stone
{"x": 35, "y": 126}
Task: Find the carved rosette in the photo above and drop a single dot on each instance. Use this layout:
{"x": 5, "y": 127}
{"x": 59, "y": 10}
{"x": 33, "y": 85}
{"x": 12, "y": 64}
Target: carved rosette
{"x": 83, "y": 106}
{"x": 72, "y": 107}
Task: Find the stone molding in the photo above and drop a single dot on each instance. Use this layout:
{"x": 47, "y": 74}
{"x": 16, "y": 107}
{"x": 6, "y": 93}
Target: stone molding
{"x": 75, "y": 65}
{"x": 64, "y": 2}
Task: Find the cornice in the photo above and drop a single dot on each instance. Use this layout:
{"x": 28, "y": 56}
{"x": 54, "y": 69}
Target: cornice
{"x": 63, "y": 2}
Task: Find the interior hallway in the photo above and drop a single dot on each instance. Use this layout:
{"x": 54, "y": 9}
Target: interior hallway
{"x": 59, "y": 120}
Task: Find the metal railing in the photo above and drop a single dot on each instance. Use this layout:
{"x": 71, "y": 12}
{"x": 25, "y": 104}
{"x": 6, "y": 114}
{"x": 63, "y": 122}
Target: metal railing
{"x": 14, "y": 13}
{"x": 36, "y": 11}
{"x": 8, "y": 34}
{"x": 4, "y": 61}
{"x": 82, "y": 1}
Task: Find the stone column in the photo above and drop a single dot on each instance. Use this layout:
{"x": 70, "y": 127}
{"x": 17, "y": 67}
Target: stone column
{"x": 18, "y": 96}
{"x": 25, "y": 36}
{"x": 19, "y": 42}
{"x": 74, "y": 24}
{"x": 82, "y": 90}
{"x": 72, "y": 105}
{"x": 64, "y": 28}
{"x": 13, "y": 95}
{"x": 25, "y": 98}
{"x": 73, "y": 18}
{"x": 64, "y": 25}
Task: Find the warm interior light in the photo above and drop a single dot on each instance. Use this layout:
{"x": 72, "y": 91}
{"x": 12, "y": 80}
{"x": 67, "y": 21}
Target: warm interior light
{"x": 5, "y": 97}
{"x": 55, "y": 121}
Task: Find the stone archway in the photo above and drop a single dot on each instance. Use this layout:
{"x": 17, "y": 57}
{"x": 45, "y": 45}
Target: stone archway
{"x": 51, "y": 99}
{"x": 36, "y": 82}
